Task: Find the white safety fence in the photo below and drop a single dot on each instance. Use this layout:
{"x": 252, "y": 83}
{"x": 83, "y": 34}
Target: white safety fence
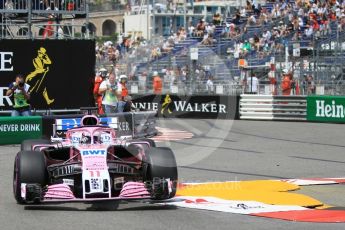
{"x": 269, "y": 107}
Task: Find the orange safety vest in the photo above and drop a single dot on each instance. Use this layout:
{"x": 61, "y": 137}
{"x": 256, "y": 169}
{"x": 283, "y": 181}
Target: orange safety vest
{"x": 157, "y": 85}
{"x": 286, "y": 85}
{"x": 124, "y": 92}
{"x": 98, "y": 98}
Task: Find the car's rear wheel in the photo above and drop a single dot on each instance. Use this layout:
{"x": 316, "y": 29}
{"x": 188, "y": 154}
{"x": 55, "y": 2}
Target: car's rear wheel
{"x": 160, "y": 166}
{"x": 28, "y": 144}
{"x": 29, "y": 168}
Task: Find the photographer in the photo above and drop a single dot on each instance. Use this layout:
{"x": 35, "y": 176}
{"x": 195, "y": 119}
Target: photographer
{"x": 111, "y": 94}
{"x": 20, "y": 91}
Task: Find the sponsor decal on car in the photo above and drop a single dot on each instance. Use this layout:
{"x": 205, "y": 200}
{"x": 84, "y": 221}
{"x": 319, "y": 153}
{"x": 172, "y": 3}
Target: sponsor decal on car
{"x": 93, "y": 152}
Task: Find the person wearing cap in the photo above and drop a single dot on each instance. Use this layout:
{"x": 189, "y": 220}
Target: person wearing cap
{"x": 200, "y": 28}
{"x": 21, "y": 96}
{"x": 124, "y": 93}
{"x": 100, "y": 76}
{"x": 157, "y": 83}
{"x": 286, "y": 83}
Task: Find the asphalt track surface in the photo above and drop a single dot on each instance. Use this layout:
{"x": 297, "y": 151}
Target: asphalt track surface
{"x": 220, "y": 150}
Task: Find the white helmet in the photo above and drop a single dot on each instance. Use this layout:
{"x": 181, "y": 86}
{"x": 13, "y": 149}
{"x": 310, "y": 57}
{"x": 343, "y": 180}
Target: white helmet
{"x": 123, "y": 76}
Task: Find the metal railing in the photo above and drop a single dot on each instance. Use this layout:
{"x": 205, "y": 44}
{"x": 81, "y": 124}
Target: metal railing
{"x": 19, "y": 17}
{"x": 43, "y": 7}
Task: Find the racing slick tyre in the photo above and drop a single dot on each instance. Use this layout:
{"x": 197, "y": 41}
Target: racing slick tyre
{"x": 161, "y": 165}
{"x": 29, "y": 168}
{"x": 27, "y": 144}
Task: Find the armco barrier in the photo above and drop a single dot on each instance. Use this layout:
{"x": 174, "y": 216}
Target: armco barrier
{"x": 14, "y": 130}
{"x": 137, "y": 124}
{"x": 194, "y": 106}
{"x": 268, "y": 107}
{"x": 326, "y": 109}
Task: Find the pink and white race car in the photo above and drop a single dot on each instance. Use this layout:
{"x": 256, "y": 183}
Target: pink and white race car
{"x": 91, "y": 164}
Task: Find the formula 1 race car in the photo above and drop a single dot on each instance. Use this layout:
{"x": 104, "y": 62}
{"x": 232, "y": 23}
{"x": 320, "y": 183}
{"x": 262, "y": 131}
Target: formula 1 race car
{"x": 91, "y": 164}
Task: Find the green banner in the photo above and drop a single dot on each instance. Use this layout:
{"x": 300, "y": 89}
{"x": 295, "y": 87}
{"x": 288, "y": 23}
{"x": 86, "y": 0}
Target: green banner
{"x": 326, "y": 108}
{"x": 13, "y": 130}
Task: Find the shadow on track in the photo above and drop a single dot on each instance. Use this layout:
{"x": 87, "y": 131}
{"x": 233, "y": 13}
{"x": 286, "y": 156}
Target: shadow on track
{"x": 104, "y": 207}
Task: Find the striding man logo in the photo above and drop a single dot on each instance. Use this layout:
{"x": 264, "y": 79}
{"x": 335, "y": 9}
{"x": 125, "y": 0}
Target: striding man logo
{"x": 166, "y": 103}
{"x": 36, "y": 78}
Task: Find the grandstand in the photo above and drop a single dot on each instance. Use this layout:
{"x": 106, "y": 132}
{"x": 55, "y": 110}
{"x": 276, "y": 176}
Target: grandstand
{"x": 306, "y": 43}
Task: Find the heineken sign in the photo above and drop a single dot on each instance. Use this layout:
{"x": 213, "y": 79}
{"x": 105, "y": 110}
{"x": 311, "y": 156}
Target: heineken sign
{"x": 326, "y": 108}
{"x": 14, "y": 130}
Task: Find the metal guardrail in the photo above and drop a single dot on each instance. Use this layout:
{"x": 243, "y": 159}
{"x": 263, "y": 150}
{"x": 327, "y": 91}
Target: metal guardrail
{"x": 45, "y": 112}
{"x": 268, "y": 107}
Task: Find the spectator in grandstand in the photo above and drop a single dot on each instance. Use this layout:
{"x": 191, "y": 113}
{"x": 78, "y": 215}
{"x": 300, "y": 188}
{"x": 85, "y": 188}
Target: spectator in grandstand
{"x": 157, "y": 83}
{"x": 191, "y": 30}
{"x": 207, "y": 40}
{"x": 200, "y": 28}
{"x": 168, "y": 46}
{"x": 155, "y": 53}
{"x": 249, "y": 6}
{"x": 246, "y": 47}
{"x": 182, "y": 35}
{"x": 276, "y": 13}
{"x": 111, "y": 94}
{"x": 226, "y": 31}
{"x": 267, "y": 35}
{"x": 341, "y": 25}
{"x": 257, "y": 9}
{"x": 217, "y": 18}
{"x": 251, "y": 20}
{"x": 112, "y": 54}
{"x": 210, "y": 28}
{"x": 286, "y": 83}
{"x": 21, "y": 96}
{"x": 263, "y": 18}
{"x": 236, "y": 19}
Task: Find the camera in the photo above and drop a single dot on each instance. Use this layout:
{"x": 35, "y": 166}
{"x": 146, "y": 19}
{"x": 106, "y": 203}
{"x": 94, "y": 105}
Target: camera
{"x": 21, "y": 84}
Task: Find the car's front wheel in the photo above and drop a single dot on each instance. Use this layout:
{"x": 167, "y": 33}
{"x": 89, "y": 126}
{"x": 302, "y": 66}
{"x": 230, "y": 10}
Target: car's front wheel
{"x": 161, "y": 172}
{"x": 29, "y": 168}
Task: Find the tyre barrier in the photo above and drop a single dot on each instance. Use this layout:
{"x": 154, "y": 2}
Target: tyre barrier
{"x": 13, "y": 130}
{"x": 269, "y": 107}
